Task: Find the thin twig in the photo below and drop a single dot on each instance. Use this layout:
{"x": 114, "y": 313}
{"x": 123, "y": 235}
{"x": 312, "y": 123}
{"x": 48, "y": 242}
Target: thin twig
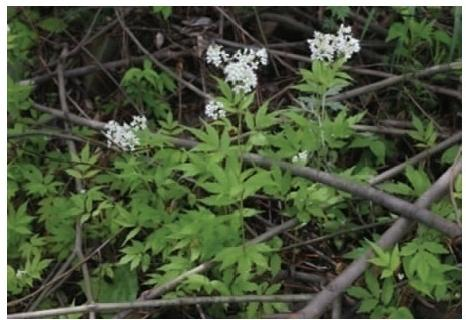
{"x": 336, "y": 234}
{"x": 264, "y": 39}
{"x": 101, "y": 307}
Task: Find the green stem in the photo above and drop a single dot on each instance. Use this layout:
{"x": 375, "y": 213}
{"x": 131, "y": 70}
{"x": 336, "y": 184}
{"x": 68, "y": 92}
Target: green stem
{"x": 240, "y": 150}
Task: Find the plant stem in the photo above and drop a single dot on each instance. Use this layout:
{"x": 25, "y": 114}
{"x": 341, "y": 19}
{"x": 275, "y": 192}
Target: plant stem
{"x": 241, "y": 202}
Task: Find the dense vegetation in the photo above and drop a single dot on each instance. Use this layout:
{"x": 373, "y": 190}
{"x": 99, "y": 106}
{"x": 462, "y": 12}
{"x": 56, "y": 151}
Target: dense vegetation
{"x": 262, "y": 153}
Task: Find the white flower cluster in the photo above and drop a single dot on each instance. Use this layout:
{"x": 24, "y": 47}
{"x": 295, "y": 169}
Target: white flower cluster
{"x": 240, "y": 69}
{"x": 327, "y": 46}
{"x": 300, "y": 157}
{"x": 124, "y": 136}
{"x": 215, "y": 110}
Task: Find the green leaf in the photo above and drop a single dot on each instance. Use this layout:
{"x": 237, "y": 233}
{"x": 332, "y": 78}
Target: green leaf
{"x": 246, "y": 102}
{"x": 74, "y": 173}
{"x": 383, "y": 258}
{"x": 422, "y": 268}
{"x": 367, "y": 305}
{"x": 449, "y": 156}
{"x": 397, "y": 31}
{"x": 401, "y": 313}
{"x": 417, "y": 123}
{"x": 165, "y": 11}
{"x": 258, "y": 139}
{"x": 387, "y": 291}
{"x": 434, "y": 247}
{"x": 123, "y": 288}
{"x": 418, "y": 179}
{"x": 275, "y": 264}
{"x": 397, "y": 188}
{"x": 372, "y": 283}
{"x": 395, "y": 259}
{"x": 359, "y": 293}
{"x": 53, "y": 25}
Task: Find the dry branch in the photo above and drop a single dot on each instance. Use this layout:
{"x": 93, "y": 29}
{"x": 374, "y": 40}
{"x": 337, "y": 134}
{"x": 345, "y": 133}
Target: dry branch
{"x": 106, "y": 307}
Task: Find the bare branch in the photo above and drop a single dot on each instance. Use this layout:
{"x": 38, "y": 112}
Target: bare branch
{"x": 101, "y": 307}
{"x": 394, "y": 80}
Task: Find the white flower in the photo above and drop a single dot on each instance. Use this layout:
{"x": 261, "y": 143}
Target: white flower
{"x": 215, "y": 110}
{"x": 139, "y": 122}
{"x": 124, "y": 136}
{"x": 322, "y": 46}
{"x": 400, "y": 276}
{"x": 262, "y": 55}
{"x": 241, "y": 76}
{"x": 300, "y": 157}
{"x": 240, "y": 69}
{"x": 328, "y": 46}
{"x": 345, "y": 44}
{"x": 215, "y": 55}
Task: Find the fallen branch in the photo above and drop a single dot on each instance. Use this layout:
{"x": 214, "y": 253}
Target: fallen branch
{"x": 106, "y": 307}
{"x": 394, "y": 204}
{"x": 82, "y": 71}
{"x": 394, "y": 234}
{"x": 59, "y": 135}
{"x": 420, "y": 156}
{"x": 394, "y": 80}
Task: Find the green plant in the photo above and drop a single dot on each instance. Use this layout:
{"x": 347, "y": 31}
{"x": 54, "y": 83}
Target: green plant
{"x": 389, "y": 262}
{"x": 146, "y": 88}
{"x": 426, "y": 135}
{"x": 151, "y": 213}
{"x": 379, "y": 301}
{"x": 420, "y": 38}
{"x": 164, "y": 11}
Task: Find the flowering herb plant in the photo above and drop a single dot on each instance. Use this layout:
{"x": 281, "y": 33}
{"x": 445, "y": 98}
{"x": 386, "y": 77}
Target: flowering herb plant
{"x": 171, "y": 202}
